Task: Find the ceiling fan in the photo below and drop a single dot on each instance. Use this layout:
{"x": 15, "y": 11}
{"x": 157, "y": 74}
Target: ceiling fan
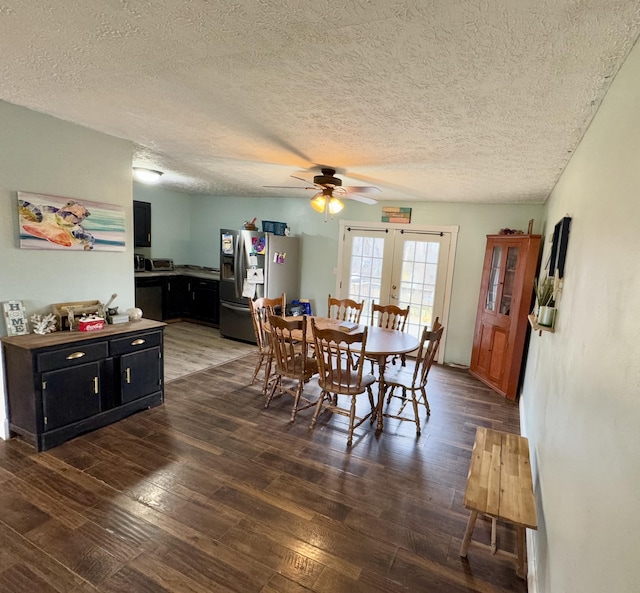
{"x": 327, "y": 200}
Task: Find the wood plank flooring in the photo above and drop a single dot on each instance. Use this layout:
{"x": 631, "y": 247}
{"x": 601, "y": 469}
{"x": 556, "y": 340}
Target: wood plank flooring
{"x": 211, "y": 492}
{"x": 190, "y": 347}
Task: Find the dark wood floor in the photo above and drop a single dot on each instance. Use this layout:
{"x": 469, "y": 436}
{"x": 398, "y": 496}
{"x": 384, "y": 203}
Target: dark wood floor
{"x": 211, "y": 493}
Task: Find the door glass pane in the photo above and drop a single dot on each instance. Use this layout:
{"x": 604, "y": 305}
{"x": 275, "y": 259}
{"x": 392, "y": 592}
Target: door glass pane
{"x": 509, "y": 276}
{"x": 494, "y": 279}
{"x": 366, "y": 271}
{"x": 418, "y": 283}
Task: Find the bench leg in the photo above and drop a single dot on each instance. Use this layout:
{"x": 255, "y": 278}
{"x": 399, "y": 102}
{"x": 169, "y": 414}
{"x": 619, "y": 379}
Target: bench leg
{"x": 494, "y": 537}
{"x": 521, "y": 569}
{"x": 467, "y": 534}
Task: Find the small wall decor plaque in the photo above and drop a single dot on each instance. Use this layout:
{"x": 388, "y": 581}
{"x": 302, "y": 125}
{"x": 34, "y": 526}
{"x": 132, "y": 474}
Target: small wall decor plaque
{"x": 395, "y": 214}
{"x": 14, "y": 318}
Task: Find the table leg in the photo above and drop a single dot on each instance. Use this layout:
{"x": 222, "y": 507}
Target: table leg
{"x": 467, "y": 534}
{"x": 521, "y": 544}
{"x": 382, "y": 363}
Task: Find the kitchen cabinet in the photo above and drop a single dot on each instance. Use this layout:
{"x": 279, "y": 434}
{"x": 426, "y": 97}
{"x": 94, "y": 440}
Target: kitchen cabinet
{"x": 63, "y": 384}
{"x": 149, "y": 296}
{"x": 205, "y": 300}
{"x": 141, "y": 224}
{"x": 506, "y": 294}
{"x": 176, "y": 297}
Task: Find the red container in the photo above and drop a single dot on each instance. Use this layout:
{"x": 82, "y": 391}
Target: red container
{"x": 89, "y": 325}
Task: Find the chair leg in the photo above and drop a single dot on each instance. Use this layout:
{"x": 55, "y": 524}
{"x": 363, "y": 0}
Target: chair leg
{"x": 267, "y": 371}
{"x": 257, "y": 369}
{"x": 275, "y": 385}
{"x": 414, "y": 401}
{"x": 296, "y": 400}
{"x": 426, "y": 401}
{"x": 352, "y": 419}
{"x": 316, "y": 412}
{"x": 374, "y": 407}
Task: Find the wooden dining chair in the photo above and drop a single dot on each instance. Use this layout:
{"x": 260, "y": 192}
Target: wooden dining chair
{"x": 414, "y": 380}
{"x": 344, "y": 309}
{"x": 339, "y": 373}
{"x": 260, "y": 310}
{"x": 292, "y": 361}
{"x": 389, "y": 317}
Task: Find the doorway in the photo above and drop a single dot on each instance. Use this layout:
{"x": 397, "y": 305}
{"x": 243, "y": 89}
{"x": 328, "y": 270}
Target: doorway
{"x": 403, "y": 265}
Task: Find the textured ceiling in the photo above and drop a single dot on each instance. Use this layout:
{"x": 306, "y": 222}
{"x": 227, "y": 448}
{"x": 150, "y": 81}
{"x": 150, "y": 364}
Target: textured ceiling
{"x": 443, "y": 100}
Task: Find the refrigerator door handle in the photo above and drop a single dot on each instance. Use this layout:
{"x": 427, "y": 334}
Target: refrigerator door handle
{"x": 233, "y": 307}
{"x": 239, "y": 264}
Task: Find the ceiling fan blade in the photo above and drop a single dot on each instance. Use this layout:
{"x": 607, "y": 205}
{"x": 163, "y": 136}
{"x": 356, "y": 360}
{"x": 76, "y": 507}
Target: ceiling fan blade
{"x": 300, "y": 178}
{"x": 362, "y": 199}
{"x": 362, "y": 189}
{"x": 289, "y": 187}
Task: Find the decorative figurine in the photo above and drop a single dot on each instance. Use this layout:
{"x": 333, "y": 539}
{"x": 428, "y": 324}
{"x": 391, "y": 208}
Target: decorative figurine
{"x": 43, "y": 325}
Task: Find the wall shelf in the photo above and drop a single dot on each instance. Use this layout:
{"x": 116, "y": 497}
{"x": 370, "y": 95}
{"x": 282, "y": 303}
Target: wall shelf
{"x": 533, "y": 321}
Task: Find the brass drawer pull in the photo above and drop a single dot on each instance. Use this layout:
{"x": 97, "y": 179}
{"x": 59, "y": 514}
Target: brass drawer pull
{"x": 76, "y": 355}
{"x": 138, "y": 342}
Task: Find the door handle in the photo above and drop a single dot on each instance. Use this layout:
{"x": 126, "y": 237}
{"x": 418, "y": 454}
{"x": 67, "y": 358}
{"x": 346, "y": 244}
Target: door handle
{"x": 128, "y": 375}
{"x": 95, "y": 385}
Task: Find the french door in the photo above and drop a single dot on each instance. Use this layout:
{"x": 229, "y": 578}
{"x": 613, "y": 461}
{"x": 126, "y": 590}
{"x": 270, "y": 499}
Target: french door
{"x": 403, "y": 265}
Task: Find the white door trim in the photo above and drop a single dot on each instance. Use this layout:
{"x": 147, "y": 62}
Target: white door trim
{"x": 452, "y": 230}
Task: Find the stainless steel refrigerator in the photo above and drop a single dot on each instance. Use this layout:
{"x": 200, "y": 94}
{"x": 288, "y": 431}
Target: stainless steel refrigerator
{"x": 254, "y": 265}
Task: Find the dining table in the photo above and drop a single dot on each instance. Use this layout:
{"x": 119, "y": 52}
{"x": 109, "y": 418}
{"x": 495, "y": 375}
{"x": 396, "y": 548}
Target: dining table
{"x": 381, "y": 344}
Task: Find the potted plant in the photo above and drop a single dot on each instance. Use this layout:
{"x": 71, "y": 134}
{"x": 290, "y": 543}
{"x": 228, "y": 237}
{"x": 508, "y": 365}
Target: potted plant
{"x": 544, "y": 299}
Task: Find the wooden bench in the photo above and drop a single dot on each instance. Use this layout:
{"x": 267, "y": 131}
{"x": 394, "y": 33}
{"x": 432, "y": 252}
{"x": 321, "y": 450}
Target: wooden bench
{"x": 499, "y": 485}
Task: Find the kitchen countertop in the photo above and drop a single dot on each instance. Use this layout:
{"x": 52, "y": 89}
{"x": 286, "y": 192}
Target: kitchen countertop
{"x": 193, "y": 271}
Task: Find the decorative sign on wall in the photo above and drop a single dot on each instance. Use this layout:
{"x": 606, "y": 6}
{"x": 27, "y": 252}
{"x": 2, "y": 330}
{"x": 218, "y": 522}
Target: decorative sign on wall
{"x": 395, "y": 214}
{"x": 14, "y": 318}
{"x": 559, "y": 247}
{"x": 66, "y": 224}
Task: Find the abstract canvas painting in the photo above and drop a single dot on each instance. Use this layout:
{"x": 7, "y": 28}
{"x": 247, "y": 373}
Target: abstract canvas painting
{"x": 69, "y": 224}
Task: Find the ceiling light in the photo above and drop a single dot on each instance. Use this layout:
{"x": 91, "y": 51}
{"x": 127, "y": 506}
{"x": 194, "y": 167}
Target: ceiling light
{"x": 147, "y": 175}
{"x": 325, "y": 203}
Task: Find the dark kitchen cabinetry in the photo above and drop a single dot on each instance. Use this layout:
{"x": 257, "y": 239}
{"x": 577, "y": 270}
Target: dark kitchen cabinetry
{"x": 176, "y": 297}
{"x": 141, "y": 224}
{"x": 150, "y": 295}
{"x": 205, "y": 300}
{"x": 63, "y": 384}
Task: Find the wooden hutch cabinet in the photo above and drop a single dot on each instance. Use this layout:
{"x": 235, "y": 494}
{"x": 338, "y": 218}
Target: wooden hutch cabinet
{"x": 506, "y": 293}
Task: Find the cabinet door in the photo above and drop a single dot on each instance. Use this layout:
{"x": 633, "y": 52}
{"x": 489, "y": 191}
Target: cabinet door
{"x": 205, "y": 300}
{"x": 141, "y": 373}
{"x": 141, "y": 224}
{"x": 69, "y": 395}
{"x": 175, "y": 297}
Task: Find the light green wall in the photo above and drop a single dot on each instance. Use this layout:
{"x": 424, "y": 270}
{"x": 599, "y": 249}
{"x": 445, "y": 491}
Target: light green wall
{"x": 170, "y": 222}
{"x": 42, "y": 154}
{"x": 581, "y": 395}
{"x": 320, "y": 245}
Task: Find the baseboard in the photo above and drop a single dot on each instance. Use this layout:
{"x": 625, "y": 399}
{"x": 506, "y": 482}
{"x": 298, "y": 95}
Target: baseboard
{"x": 5, "y": 433}
{"x": 532, "y": 575}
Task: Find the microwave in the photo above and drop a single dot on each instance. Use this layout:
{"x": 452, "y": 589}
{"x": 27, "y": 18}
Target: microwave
{"x": 161, "y": 265}
{"x": 138, "y": 262}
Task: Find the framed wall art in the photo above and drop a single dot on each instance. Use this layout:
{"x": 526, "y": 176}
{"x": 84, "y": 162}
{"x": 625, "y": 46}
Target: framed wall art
{"x": 15, "y": 318}
{"x": 68, "y": 224}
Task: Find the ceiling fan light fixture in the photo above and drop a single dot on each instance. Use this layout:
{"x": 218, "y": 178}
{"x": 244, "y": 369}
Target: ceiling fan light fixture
{"x": 335, "y": 206}
{"x": 319, "y": 203}
{"x": 147, "y": 175}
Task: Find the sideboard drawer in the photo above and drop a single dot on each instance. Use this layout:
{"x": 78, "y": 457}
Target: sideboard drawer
{"x": 135, "y": 342}
{"x": 67, "y": 357}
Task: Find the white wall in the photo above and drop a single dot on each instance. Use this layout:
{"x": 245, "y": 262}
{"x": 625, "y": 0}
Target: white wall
{"x": 42, "y": 154}
{"x": 581, "y": 397}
